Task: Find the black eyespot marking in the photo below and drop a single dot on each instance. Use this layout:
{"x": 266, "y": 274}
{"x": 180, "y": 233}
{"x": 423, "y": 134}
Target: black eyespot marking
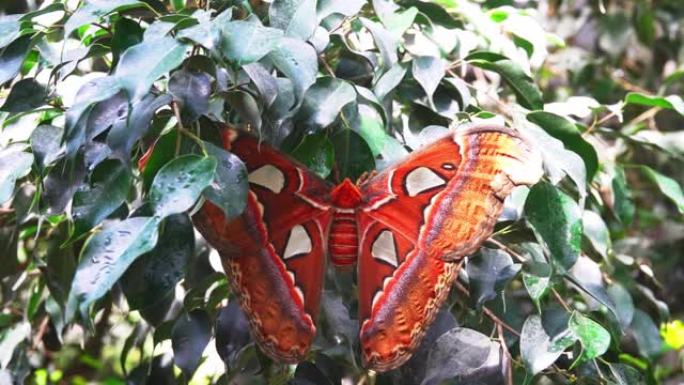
{"x": 448, "y": 166}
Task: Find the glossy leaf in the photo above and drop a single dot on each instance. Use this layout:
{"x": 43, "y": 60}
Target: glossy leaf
{"x": 537, "y": 280}
{"x": 93, "y": 10}
{"x": 668, "y": 186}
{"x": 12, "y": 58}
{"x": 105, "y": 258}
{"x": 389, "y": 81}
{"x": 353, "y": 157}
{"x": 428, "y": 72}
{"x": 244, "y": 42}
{"x": 646, "y": 334}
{"x": 384, "y": 40}
{"x": 298, "y": 61}
{"x": 14, "y": 164}
{"x": 297, "y": 18}
{"x": 596, "y": 230}
{"x": 488, "y": 274}
{"x": 536, "y": 348}
{"x": 558, "y": 221}
{"x": 192, "y": 90}
{"x": 587, "y": 276}
{"x": 594, "y": 338}
{"x": 324, "y": 101}
{"x": 229, "y": 188}
{"x": 10, "y": 26}
{"x": 142, "y": 64}
{"x": 178, "y": 184}
{"x": 232, "y": 332}
{"x": 317, "y": 153}
{"x": 624, "y": 304}
{"x": 671, "y": 102}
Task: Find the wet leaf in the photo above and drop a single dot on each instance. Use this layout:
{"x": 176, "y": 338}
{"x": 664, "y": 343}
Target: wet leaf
{"x": 323, "y": 102}
{"x": 105, "y": 258}
{"x": 297, "y": 18}
{"x": 536, "y": 348}
{"x": 229, "y": 188}
{"x": 46, "y": 144}
{"x": 298, "y": 61}
{"x": 192, "y": 90}
{"x": 178, "y": 184}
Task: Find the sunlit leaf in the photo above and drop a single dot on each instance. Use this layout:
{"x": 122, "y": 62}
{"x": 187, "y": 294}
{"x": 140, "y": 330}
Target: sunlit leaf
{"x": 594, "y": 338}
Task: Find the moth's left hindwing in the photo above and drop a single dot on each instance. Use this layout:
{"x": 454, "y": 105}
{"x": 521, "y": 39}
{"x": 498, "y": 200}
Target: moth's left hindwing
{"x": 274, "y": 253}
{"x": 421, "y": 217}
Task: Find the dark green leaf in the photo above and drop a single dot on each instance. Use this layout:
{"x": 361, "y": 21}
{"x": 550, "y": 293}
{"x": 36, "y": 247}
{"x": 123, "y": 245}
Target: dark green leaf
{"x": 526, "y": 91}
{"x": 594, "y": 338}
{"x": 623, "y": 303}
{"x": 668, "y": 186}
{"x": 190, "y": 335}
{"x": 353, "y": 157}
{"x": 297, "y": 18}
{"x": 105, "y": 258}
{"x": 488, "y": 274}
{"x": 104, "y": 114}
{"x": 191, "y": 89}
{"x": 244, "y": 42}
{"x": 152, "y": 278}
{"x": 371, "y": 126}
{"x": 144, "y": 63}
{"x": 62, "y": 181}
{"x": 308, "y": 373}
{"x": 246, "y": 107}
{"x": 207, "y": 33}
{"x": 46, "y": 144}
{"x": 646, "y": 334}
{"x": 586, "y": 275}
{"x": 12, "y": 58}
{"x": 558, "y": 220}
{"x": 232, "y": 332}
{"x": 111, "y": 182}
{"x": 672, "y": 102}
{"x": 264, "y": 82}
{"x": 14, "y": 164}
{"x": 127, "y": 33}
{"x": 324, "y": 101}
{"x": 626, "y": 375}
{"x": 623, "y": 205}
{"x": 567, "y": 132}
{"x": 317, "y": 153}
{"x": 26, "y": 94}
{"x": 9, "y": 238}
{"x": 93, "y": 10}
{"x": 229, "y": 188}
{"x": 178, "y": 184}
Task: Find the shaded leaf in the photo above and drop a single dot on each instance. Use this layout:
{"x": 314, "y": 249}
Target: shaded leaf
{"x": 62, "y": 181}
{"x": 389, "y": 81}
{"x": 12, "y": 58}
{"x": 192, "y": 90}
{"x": 190, "y": 335}
{"x": 111, "y": 183}
{"x": 626, "y": 375}
{"x": 646, "y": 334}
{"x": 93, "y": 10}
{"x": 537, "y": 280}
{"x": 297, "y": 18}
{"x": 558, "y": 220}
{"x": 264, "y": 82}
{"x": 247, "y": 108}
{"x": 587, "y": 276}
{"x": 46, "y": 144}
{"x": 353, "y": 157}
{"x": 229, "y": 187}
{"x": 316, "y": 152}
{"x": 10, "y": 26}
{"x": 488, "y": 274}
{"x": 623, "y": 303}
{"x": 596, "y": 230}
{"x": 623, "y": 206}
{"x": 232, "y": 332}
{"x": 26, "y": 94}
{"x": 325, "y": 8}
{"x": 105, "y": 258}
{"x": 308, "y": 373}
{"x": 178, "y": 184}
{"x": 384, "y": 40}
{"x": 668, "y": 186}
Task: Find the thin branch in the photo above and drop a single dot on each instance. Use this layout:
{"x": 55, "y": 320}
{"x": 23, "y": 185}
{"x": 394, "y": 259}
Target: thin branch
{"x": 561, "y": 300}
{"x": 507, "y": 249}
{"x": 509, "y": 367}
{"x": 488, "y": 312}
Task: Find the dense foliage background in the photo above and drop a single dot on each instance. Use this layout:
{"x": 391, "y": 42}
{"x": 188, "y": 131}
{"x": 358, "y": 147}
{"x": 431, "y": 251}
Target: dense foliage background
{"x": 103, "y": 280}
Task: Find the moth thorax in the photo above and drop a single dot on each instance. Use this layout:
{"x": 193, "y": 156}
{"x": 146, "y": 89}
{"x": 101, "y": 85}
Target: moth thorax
{"x": 344, "y": 239}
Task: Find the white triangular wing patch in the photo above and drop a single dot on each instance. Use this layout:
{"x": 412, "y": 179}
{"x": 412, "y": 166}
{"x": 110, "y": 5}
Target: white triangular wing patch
{"x": 421, "y": 179}
{"x": 268, "y": 176}
{"x": 298, "y": 242}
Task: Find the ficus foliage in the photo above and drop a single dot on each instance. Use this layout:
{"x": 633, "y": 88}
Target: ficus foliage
{"x": 104, "y": 280}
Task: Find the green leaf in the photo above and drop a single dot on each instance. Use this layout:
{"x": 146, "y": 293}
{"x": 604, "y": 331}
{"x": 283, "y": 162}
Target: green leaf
{"x": 594, "y": 338}
{"x": 668, "y": 186}
{"x": 25, "y": 95}
{"x": 384, "y": 40}
{"x": 623, "y": 206}
{"x": 298, "y": 61}
{"x": 111, "y": 183}
{"x": 398, "y": 22}
{"x": 587, "y": 276}
{"x": 389, "y": 81}
{"x": 325, "y": 8}
{"x": 324, "y": 101}
{"x": 14, "y": 164}
{"x": 646, "y": 334}
{"x": 488, "y": 274}
{"x": 526, "y": 91}
{"x": 297, "y": 18}
{"x": 246, "y": 106}
{"x": 596, "y": 230}
{"x": 536, "y": 348}
{"x": 353, "y": 157}
{"x": 566, "y": 131}
{"x": 144, "y": 63}
{"x": 206, "y": 32}
{"x": 178, "y": 184}
{"x": 671, "y": 102}
{"x": 152, "y": 278}
{"x": 537, "y": 280}
{"x": 93, "y": 10}
{"x": 623, "y": 304}
{"x": 558, "y": 220}
{"x": 229, "y": 188}
{"x": 190, "y": 335}
{"x": 105, "y": 258}
{"x": 10, "y": 26}
{"x": 371, "y": 126}
{"x": 244, "y": 42}
{"x": 428, "y": 72}
{"x": 626, "y": 375}
{"x": 316, "y": 152}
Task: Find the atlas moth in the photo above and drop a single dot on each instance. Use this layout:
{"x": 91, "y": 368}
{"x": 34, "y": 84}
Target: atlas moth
{"x": 406, "y": 231}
